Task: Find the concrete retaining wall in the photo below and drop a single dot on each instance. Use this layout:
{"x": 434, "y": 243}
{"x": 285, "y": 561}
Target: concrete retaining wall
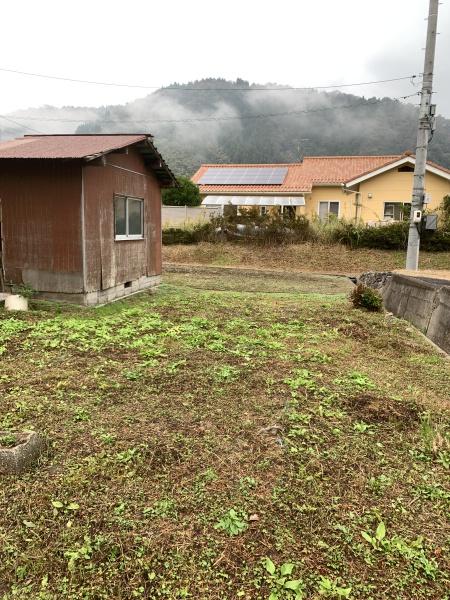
{"x": 424, "y": 304}
{"x": 439, "y": 326}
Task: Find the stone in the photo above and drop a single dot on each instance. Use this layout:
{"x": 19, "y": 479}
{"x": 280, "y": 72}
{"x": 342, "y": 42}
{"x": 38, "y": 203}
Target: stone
{"x": 19, "y": 458}
{"x": 375, "y": 279}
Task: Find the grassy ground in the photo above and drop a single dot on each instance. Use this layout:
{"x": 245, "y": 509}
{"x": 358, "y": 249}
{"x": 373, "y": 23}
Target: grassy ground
{"x": 225, "y": 444}
{"x": 308, "y": 283}
{"x": 303, "y": 257}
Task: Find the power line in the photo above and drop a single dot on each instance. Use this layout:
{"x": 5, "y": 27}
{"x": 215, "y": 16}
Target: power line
{"x": 213, "y": 119}
{"x": 208, "y": 89}
{"x": 20, "y": 124}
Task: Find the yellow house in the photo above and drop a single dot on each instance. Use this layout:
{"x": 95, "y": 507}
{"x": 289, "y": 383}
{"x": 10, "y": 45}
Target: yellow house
{"x": 371, "y": 189}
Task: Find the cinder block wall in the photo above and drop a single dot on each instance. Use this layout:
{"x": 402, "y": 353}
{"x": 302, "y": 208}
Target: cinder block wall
{"x": 425, "y": 305}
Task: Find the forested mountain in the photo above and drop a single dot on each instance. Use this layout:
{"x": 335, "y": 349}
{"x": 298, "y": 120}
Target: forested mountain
{"x": 214, "y": 120}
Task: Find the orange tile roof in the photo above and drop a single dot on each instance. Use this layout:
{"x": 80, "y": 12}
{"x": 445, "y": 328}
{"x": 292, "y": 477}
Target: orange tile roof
{"x": 314, "y": 170}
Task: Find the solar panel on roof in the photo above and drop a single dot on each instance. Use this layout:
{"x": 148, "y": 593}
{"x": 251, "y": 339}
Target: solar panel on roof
{"x": 244, "y": 176}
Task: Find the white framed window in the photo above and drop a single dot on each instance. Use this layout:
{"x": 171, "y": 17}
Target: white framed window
{"x": 128, "y": 218}
{"x": 396, "y": 211}
{"x": 329, "y": 208}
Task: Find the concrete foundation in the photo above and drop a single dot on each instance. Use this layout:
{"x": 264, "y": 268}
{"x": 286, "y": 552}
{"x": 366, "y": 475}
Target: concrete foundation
{"x": 425, "y": 304}
{"x": 96, "y": 298}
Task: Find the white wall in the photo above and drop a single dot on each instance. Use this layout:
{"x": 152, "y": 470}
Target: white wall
{"x": 183, "y": 216}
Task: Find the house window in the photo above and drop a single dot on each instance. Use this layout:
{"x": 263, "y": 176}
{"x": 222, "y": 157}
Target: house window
{"x": 327, "y": 209}
{"x": 396, "y": 211}
{"x": 406, "y": 169}
{"x": 288, "y": 212}
{"x": 128, "y": 218}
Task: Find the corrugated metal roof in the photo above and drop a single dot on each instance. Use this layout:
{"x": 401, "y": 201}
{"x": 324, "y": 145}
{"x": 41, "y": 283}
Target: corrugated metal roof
{"x": 66, "y": 146}
{"x": 301, "y": 177}
{"x": 87, "y": 146}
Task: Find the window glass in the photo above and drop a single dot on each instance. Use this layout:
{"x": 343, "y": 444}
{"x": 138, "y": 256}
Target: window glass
{"x": 334, "y": 208}
{"x": 397, "y": 211}
{"x": 323, "y": 210}
{"x": 389, "y": 210}
{"x": 120, "y": 227}
{"x": 134, "y": 217}
{"x": 328, "y": 208}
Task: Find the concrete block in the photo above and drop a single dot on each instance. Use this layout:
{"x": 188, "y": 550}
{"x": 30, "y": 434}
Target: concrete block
{"x": 410, "y": 299}
{"x": 439, "y": 325}
{"x": 20, "y": 457}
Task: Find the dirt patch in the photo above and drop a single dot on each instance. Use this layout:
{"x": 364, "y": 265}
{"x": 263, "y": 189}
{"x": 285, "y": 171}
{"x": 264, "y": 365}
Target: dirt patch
{"x": 376, "y": 409}
{"x": 243, "y": 280}
{"x": 300, "y": 257}
{"x": 355, "y": 331}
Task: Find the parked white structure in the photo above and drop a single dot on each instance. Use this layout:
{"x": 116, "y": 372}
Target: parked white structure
{"x": 183, "y": 216}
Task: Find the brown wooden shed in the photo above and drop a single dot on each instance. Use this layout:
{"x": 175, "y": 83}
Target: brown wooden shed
{"x": 80, "y": 215}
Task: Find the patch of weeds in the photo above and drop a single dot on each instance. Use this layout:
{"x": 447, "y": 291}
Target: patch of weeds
{"x": 107, "y": 438}
{"x": 81, "y": 414}
{"x": 366, "y": 297}
{"x": 129, "y": 455}
{"x": 315, "y": 356}
{"x": 357, "y": 380}
{"x": 83, "y": 552}
{"x": 9, "y": 329}
{"x": 133, "y": 374}
{"x": 376, "y": 540}
{"x": 174, "y": 367}
{"x": 163, "y": 509}
{"x": 280, "y": 582}
{"x": 433, "y": 492}
{"x": 246, "y": 484}
{"x": 378, "y": 484}
{"x": 8, "y": 440}
{"x": 225, "y": 373}
{"x": 330, "y": 589}
{"x": 443, "y": 458}
{"x": 411, "y": 551}
{"x": 65, "y": 507}
{"x": 208, "y": 476}
{"x": 362, "y": 427}
{"x": 301, "y": 378}
{"x": 233, "y": 522}
{"x": 435, "y": 439}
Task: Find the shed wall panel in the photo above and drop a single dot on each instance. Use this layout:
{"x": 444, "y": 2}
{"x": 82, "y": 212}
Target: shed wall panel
{"x": 41, "y": 224}
{"x": 110, "y": 262}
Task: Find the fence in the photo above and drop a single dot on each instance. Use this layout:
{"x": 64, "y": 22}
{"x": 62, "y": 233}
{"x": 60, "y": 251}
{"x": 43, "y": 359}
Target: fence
{"x": 183, "y": 216}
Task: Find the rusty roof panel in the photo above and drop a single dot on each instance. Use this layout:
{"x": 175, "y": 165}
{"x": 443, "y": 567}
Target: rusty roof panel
{"x": 66, "y": 146}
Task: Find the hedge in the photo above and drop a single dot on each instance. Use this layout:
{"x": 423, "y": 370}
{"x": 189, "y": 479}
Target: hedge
{"x": 279, "y": 231}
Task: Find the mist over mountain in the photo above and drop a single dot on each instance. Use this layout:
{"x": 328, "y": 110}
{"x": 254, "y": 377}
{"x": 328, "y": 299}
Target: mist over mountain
{"x": 214, "y": 120}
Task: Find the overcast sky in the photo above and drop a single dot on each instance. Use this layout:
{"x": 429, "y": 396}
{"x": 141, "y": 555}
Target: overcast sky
{"x": 155, "y": 43}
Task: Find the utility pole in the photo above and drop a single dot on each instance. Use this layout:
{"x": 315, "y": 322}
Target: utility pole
{"x": 426, "y": 126}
